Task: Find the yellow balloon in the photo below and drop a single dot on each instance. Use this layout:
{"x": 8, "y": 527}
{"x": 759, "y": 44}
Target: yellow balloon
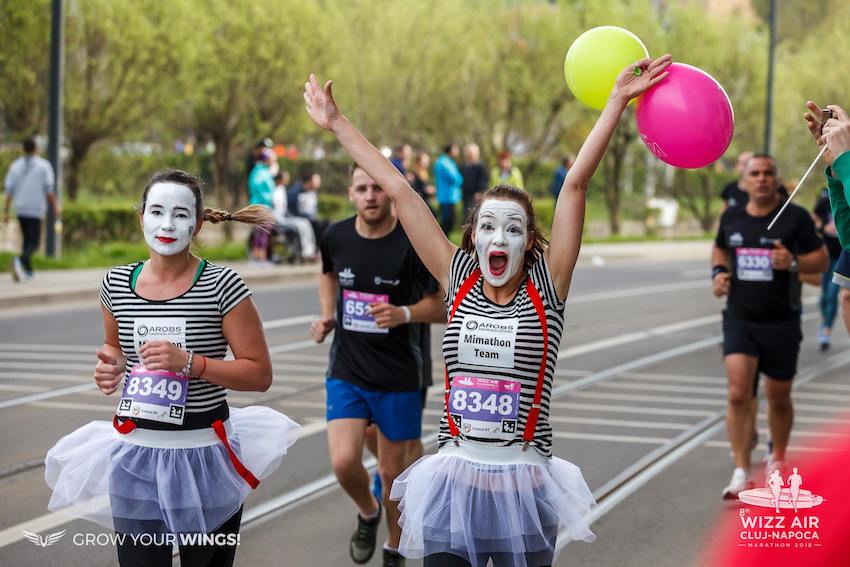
{"x": 595, "y": 59}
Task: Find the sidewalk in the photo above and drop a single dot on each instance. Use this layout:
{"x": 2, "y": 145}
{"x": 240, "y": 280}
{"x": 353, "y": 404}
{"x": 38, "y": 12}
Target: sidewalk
{"x": 56, "y": 286}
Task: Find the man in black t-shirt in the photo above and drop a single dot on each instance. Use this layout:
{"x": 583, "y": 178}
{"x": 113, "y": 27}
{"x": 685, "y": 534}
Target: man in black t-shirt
{"x": 733, "y": 194}
{"x": 372, "y": 287}
{"x": 758, "y": 270}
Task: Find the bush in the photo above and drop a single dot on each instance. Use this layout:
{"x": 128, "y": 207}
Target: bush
{"x": 85, "y": 224}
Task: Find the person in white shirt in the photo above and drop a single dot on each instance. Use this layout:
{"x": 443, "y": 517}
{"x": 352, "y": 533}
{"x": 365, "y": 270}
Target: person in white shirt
{"x": 299, "y": 224}
{"x": 30, "y": 185}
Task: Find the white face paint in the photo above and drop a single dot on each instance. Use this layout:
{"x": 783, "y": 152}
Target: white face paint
{"x": 500, "y": 240}
{"x": 169, "y": 218}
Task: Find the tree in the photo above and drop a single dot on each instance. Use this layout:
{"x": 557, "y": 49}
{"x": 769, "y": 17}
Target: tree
{"x": 262, "y": 53}
{"x": 24, "y": 62}
{"x": 123, "y": 67}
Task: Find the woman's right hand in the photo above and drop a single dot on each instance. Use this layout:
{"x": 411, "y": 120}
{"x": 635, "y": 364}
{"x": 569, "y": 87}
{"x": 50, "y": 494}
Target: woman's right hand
{"x": 813, "y": 122}
{"x": 107, "y": 373}
{"x": 320, "y": 103}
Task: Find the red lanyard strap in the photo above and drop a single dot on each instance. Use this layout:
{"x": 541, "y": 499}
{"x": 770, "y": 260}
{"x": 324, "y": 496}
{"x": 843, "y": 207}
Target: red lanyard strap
{"x": 467, "y": 285}
{"x": 237, "y": 464}
{"x": 531, "y": 422}
{"x": 534, "y": 414}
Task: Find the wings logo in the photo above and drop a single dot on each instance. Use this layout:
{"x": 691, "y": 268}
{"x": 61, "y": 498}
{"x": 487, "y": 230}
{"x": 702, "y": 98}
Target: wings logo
{"x": 45, "y": 541}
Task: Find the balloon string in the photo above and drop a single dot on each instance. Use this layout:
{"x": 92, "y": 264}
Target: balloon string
{"x": 800, "y": 184}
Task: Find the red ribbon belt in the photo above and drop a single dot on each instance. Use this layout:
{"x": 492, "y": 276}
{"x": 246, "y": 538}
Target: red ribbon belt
{"x": 129, "y": 425}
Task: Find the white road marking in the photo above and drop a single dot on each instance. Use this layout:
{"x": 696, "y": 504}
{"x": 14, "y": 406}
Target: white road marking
{"x": 636, "y": 292}
{"x": 49, "y": 347}
{"x": 46, "y": 396}
{"x": 630, "y": 409}
{"x": 612, "y": 438}
{"x": 108, "y": 408}
{"x": 654, "y": 399}
{"x": 21, "y": 388}
{"x": 298, "y": 345}
{"x": 10, "y": 355}
{"x": 796, "y": 394}
{"x": 289, "y": 322}
{"x": 619, "y": 422}
{"x": 762, "y": 447}
{"x": 673, "y": 377}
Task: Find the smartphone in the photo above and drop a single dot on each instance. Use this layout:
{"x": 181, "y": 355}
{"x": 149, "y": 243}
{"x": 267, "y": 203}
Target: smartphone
{"x": 825, "y": 114}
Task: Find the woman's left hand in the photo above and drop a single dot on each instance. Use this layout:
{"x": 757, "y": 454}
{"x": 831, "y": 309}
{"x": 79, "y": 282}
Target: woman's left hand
{"x": 162, "y": 355}
{"x": 631, "y": 84}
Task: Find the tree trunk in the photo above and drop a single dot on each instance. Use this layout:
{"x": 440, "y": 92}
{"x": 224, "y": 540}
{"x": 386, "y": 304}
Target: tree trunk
{"x": 706, "y": 218}
{"x": 79, "y": 150}
{"x": 221, "y": 175}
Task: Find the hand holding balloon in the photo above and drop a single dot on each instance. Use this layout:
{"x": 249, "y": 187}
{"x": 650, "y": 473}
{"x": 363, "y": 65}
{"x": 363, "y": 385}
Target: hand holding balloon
{"x": 641, "y": 76}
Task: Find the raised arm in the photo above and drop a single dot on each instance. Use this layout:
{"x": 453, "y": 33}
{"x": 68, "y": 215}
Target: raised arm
{"x": 568, "y": 220}
{"x": 432, "y": 246}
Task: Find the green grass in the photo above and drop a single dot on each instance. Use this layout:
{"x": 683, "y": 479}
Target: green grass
{"x": 117, "y": 253}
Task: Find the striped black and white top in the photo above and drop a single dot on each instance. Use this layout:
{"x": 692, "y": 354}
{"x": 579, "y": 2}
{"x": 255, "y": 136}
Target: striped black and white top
{"x": 216, "y": 291}
{"x": 528, "y": 347}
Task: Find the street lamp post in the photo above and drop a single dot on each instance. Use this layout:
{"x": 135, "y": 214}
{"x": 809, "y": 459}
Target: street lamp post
{"x": 54, "y": 144}
{"x": 768, "y": 119}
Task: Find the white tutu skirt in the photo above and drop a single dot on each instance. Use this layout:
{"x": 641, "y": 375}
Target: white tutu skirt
{"x": 511, "y": 512}
{"x": 131, "y": 488}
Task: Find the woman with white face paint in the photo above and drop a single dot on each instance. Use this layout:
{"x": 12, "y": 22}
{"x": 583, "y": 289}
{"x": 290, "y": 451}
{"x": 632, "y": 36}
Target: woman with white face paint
{"x": 176, "y": 459}
{"x": 494, "y": 491}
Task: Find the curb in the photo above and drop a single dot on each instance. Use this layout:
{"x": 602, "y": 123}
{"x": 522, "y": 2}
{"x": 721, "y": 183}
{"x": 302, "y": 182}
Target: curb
{"x": 56, "y": 296}
{"x": 590, "y": 256}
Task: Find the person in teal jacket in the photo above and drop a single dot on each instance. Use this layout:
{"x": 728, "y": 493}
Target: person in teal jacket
{"x": 261, "y": 192}
{"x": 448, "y": 180}
{"x": 835, "y": 133}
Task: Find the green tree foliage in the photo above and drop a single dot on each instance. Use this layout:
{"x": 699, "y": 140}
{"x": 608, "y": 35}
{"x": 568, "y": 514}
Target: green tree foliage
{"x": 24, "y": 57}
{"x": 123, "y": 65}
{"x": 488, "y": 71}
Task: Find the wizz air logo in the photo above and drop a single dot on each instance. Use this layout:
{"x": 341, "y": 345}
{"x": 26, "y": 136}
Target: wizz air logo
{"x": 45, "y": 541}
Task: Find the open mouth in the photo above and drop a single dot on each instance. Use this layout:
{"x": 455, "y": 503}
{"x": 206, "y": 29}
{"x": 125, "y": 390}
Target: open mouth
{"x": 498, "y": 262}
{"x": 166, "y": 240}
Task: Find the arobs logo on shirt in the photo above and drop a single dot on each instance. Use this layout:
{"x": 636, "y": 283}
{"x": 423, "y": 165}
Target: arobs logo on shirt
{"x": 782, "y": 517}
{"x": 736, "y": 239}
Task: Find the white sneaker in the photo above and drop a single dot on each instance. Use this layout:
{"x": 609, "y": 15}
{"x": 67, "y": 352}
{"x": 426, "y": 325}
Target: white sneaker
{"x": 740, "y": 481}
{"x": 18, "y": 272}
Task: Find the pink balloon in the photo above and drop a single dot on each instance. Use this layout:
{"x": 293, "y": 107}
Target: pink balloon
{"x": 686, "y": 120}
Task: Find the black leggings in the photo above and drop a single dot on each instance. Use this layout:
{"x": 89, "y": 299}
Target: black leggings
{"x": 31, "y": 233}
{"x": 452, "y": 560}
{"x": 135, "y": 554}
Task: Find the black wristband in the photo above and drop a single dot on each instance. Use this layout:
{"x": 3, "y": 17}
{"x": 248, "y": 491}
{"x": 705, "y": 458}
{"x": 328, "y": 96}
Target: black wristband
{"x": 718, "y": 269}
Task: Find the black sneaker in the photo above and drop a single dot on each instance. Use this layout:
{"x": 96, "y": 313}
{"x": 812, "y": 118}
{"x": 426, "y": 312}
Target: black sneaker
{"x": 362, "y": 544}
{"x": 393, "y": 559}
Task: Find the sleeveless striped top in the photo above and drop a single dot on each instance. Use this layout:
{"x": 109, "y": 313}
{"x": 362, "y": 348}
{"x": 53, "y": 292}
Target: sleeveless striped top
{"x": 217, "y": 290}
{"x": 527, "y": 348}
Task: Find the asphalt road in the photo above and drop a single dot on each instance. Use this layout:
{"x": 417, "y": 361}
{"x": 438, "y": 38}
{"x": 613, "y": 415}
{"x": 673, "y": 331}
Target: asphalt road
{"x": 640, "y": 381}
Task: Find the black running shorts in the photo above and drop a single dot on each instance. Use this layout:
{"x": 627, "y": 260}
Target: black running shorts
{"x": 776, "y": 344}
